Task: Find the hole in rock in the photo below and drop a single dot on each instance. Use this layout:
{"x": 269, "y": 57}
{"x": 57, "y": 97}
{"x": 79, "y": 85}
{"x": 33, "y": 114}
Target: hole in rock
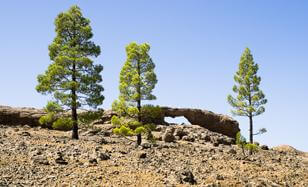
{"x": 177, "y": 120}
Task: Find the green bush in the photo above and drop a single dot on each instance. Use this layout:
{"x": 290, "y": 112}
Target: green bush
{"x": 87, "y": 118}
{"x": 47, "y": 120}
{"x": 52, "y": 109}
{"x": 63, "y": 124}
{"x": 252, "y": 147}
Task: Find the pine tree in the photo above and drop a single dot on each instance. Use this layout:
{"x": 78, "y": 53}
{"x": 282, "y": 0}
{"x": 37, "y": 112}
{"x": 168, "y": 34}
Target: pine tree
{"x": 250, "y": 99}
{"x": 72, "y": 77}
{"x": 137, "y": 80}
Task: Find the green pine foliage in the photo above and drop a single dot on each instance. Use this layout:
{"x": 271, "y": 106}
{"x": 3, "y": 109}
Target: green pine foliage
{"x": 47, "y": 120}
{"x": 63, "y": 124}
{"x": 242, "y": 143}
{"x": 240, "y": 140}
{"x": 52, "y": 106}
{"x": 137, "y": 81}
{"x": 52, "y": 109}
{"x": 249, "y": 100}
{"x": 126, "y": 122}
{"x": 57, "y": 119}
{"x": 137, "y": 77}
{"x": 252, "y": 148}
{"x": 54, "y": 118}
{"x": 72, "y": 77}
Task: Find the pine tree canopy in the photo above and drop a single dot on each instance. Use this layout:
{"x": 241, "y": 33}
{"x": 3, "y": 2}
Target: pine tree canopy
{"x": 137, "y": 80}
{"x": 72, "y": 77}
{"x": 137, "y": 77}
{"x": 249, "y": 98}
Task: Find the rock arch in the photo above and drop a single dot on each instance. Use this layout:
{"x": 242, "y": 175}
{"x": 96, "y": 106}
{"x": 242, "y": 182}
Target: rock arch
{"x": 214, "y": 122}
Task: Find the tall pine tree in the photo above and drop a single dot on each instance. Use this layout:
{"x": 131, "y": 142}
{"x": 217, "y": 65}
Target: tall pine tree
{"x": 137, "y": 81}
{"x": 72, "y": 77}
{"x": 249, "y": 100}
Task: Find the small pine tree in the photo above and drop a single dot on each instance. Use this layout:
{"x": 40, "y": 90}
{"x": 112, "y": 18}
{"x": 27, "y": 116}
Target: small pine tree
{"x": 137, "y": 80}
{"x": 241, "y": 141}
{"x": 250, "y": 99}
{"x": 72, "y": 77}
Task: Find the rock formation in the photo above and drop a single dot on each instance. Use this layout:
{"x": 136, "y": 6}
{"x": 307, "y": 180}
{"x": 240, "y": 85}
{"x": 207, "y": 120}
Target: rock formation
{"x": 20, "y": 116}
{"x": 214, "y": 122}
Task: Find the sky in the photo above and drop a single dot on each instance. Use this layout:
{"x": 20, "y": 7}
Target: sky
{"x": 196, "y": 46}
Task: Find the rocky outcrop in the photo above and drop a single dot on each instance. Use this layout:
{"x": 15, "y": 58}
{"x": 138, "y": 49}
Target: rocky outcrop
{"x": 214, "y": 122}
{"x": 191, "y": 133}
{"x": 106, "y": 118}
{"x": 20, "y": 116}
{"x": 219, "y": 123}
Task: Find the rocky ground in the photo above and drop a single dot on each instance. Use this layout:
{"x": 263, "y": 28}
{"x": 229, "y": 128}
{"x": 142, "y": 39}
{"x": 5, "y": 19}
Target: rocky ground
{"x": 182, "y": 156}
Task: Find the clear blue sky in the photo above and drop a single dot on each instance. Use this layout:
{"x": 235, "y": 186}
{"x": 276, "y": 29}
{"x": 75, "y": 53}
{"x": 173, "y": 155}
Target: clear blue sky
{"x": 196, "y": 46}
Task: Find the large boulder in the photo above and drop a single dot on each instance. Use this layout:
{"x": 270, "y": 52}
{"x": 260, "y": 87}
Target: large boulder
{"x": 20, "y": 116}
{"x": 214, "y": 122}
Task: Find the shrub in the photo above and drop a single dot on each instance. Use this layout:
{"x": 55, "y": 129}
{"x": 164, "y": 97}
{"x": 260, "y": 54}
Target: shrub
{"x": 252, "y": 147}
{"x": 47, "y": 120}
{"x": 64, "y": 124}
{"x": 241, "y": 141}
{"x": 87, "y": 118}
{"x": 52, "y": 109}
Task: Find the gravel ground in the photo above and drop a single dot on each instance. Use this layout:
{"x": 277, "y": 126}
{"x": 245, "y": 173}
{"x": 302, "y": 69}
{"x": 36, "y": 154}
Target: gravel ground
{"x": 41, "y": 157}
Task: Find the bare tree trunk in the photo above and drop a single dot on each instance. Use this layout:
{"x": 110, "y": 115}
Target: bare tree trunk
{"x": 74, "y": 107}
{"x": 75, "y": 124}
{"x": 250, "y": 133}
{"x": 250, "y": 125}
{"x": 250, "y": 130}
{"x": 139, "y": 138}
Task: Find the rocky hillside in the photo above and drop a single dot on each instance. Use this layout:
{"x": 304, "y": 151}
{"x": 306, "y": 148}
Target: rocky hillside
{"x": 184, "y": 155}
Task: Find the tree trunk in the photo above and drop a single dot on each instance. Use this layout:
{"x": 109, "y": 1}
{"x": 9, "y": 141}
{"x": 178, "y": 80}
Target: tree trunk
{"x": 250, "y": 133}
{"x": 74, "y": 107}
{"x": 139, "y": 138}
{"x": 75, "y": 124}
{"x": 250, "y": 125}
{"x": 250, "y": 129}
